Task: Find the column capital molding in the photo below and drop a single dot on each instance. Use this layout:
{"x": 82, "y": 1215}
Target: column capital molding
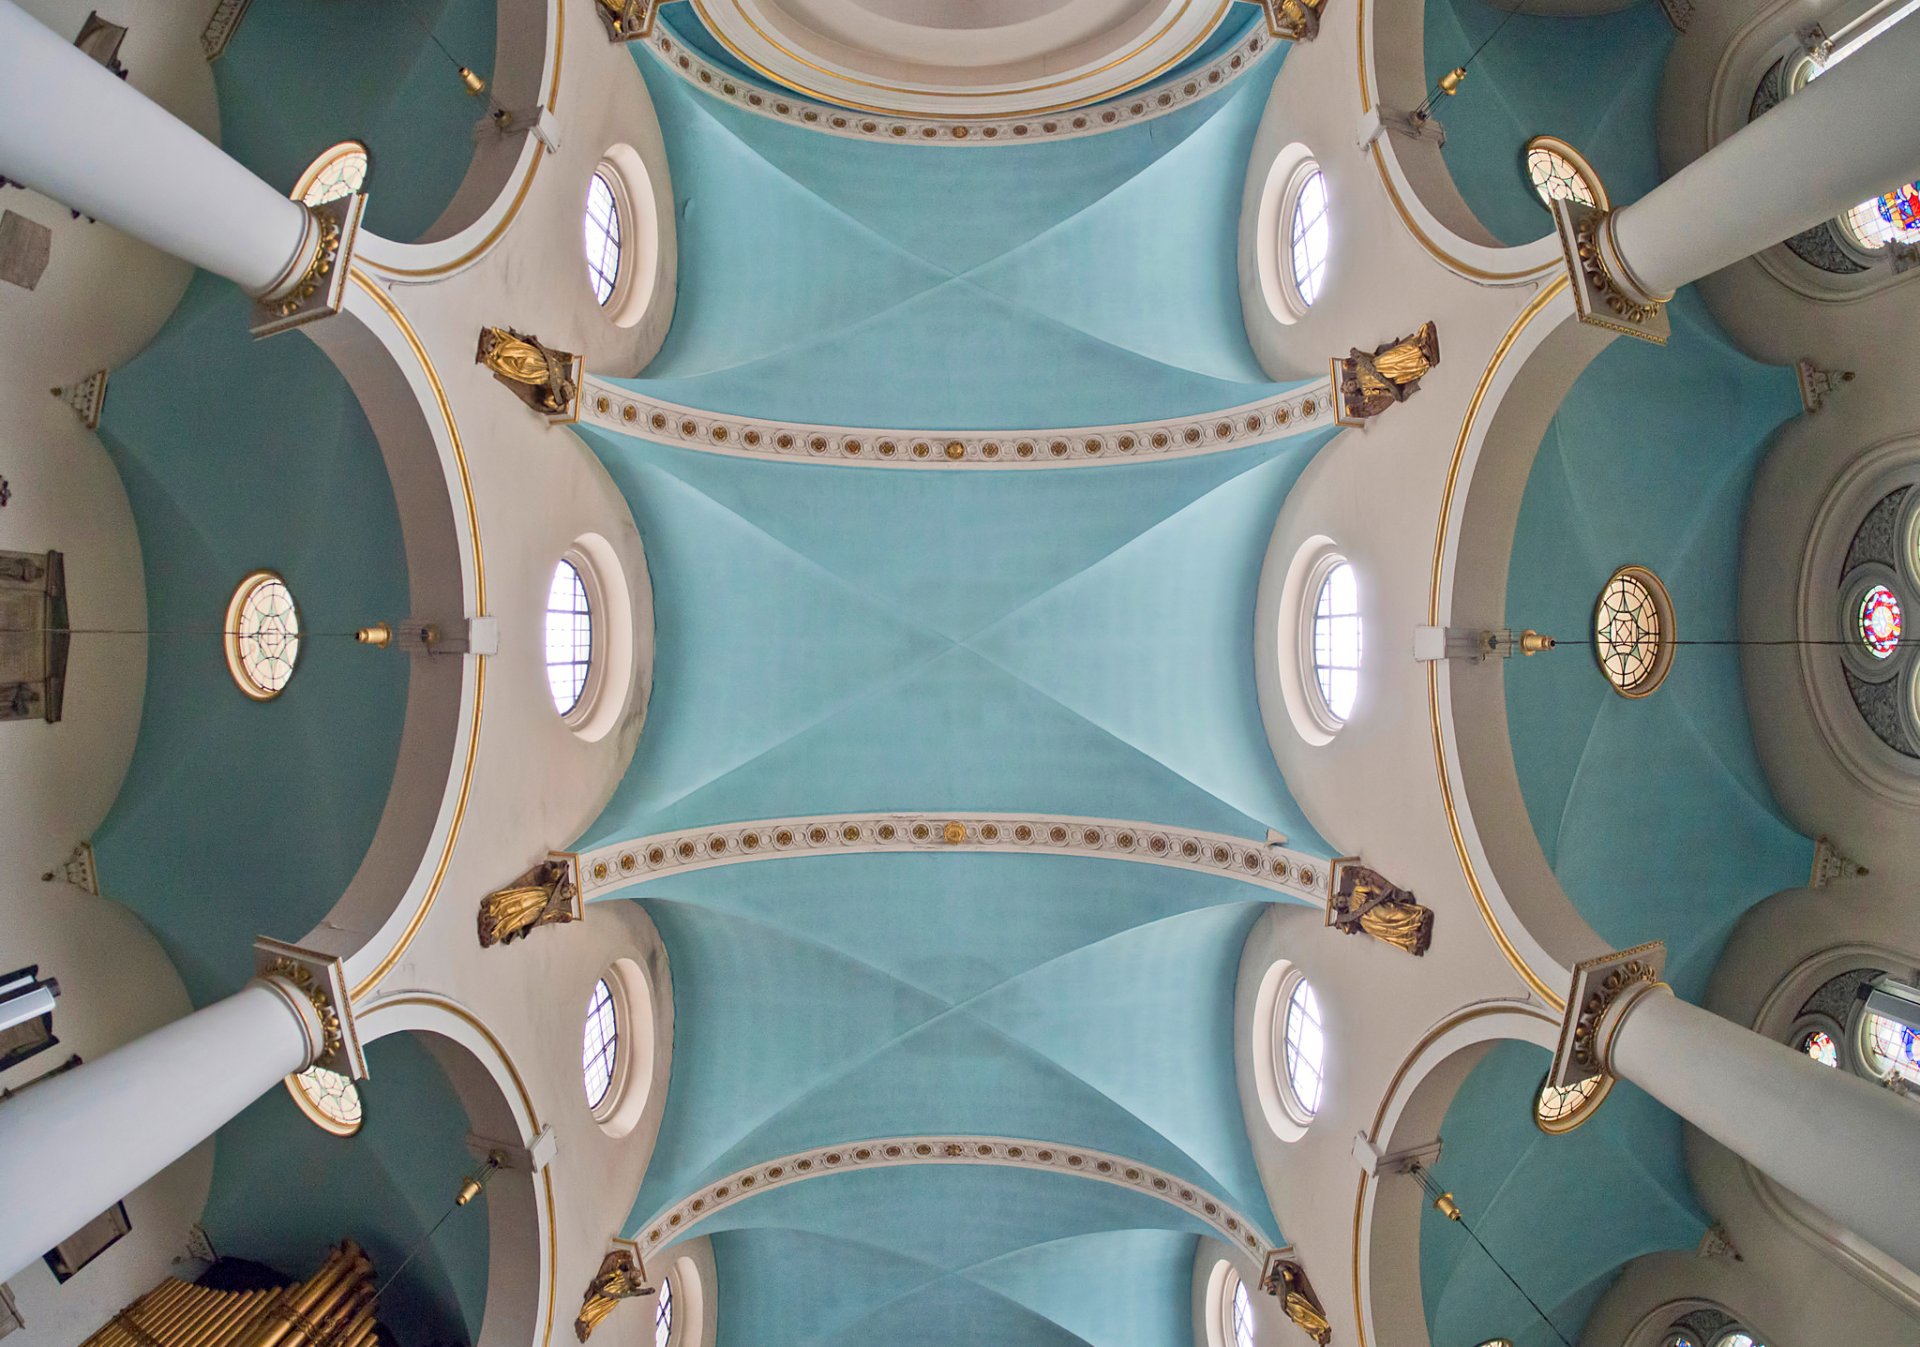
{"x": 314, "y": 284}
{"x": 1606, "y": 294}
{"x": 1598, "y": 984}
{"x": 320, "y": 980}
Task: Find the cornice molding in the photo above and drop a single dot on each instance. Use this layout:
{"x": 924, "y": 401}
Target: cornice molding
{"x": 674, "y": 1222}
{"x": 612, "y": 407}
{"x": 1144, "y": 104}
{"x": 1266, "y": 865}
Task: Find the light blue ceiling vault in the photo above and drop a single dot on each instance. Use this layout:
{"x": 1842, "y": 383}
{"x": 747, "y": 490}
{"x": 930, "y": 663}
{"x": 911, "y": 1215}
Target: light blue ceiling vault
{"x": 1079, "y": 282}
{"x": 1653, "y": 813}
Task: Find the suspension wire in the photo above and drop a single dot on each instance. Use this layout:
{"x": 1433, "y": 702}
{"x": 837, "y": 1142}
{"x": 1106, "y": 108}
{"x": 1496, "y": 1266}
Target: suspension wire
{"x": 431, "y": 35}
{"x": 1426, "y": 104}
{"x": 1434, "y": 1190}
{"x": 303, "y": 634}
{"x": 414, "y": 1252}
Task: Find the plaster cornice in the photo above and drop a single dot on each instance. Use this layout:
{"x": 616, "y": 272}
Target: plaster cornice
{"x": 609, "y": 867}
{"x": 611, "y": 406}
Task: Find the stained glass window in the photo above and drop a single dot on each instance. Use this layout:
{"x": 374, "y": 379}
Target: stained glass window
{"x": 328, "y": 1098}
{"x": 1242, "y": 1315}
{"x": 1306, "y": 1047}
{"x": 1555, "y": 176}
{"x": 1561, "y": 1108}
{"x": 1336, "y": 640}
{"x": 1894, "y": 215}
{"x": 663, "y": 1314}
{"x": 1310, "y": 234}
{"x": 1820, "y": 1046}
{"x": 262, "y": 635}
{"x": 600, "y": 1044}
{"x": 1879, "y": 621}
{"x": 569, "y": 637}
{"x": 1738, "y": 1337}
{"x": 1633, "y": 631}
{"x": 1892, "y": 1048}
{"x": 602, "y": 236}
{"x": 340, "y": 170}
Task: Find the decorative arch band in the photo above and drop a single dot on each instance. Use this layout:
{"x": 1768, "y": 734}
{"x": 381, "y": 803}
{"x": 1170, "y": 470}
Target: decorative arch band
{"x": 614, "y": 407}
{"x": 1155, "y": 100}
{"x": 683, "y": 1216}
{"x": 1269, "y": 865}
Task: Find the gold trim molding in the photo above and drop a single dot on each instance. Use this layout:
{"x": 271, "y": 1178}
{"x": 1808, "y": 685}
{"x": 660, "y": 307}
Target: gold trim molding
{"x": 607, "y": 404}
{"x": 1605, "y": 292}
{"x": 1154, "y": 100}
{"x": 1267, "y": 865}
{"x": 677, "y": 1220}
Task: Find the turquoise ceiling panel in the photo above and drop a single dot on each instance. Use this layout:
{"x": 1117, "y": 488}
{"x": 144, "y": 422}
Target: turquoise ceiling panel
{"x": 949, "y": 929}
{"x": 284, "y": 1192}
{"x": 222, "y": 789}
{"x": 1118, "y": 1288}
{"x": 1174, "y": 608}
{"x": 954, "y": 1312}
{"x": 1623, "y": 1172}
{"x": 780, "y": 227}
{"x": 833, "y": 1283}
{"x": 295, "y": 79}
{"x": 1594, "y": 82}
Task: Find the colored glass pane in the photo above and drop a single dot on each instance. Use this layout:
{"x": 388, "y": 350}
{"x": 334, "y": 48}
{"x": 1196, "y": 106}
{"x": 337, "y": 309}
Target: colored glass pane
{"x": 1821, "y": 1047}
{"x": 339, "y": 171}
{"x": 1628, "y": 630}
{"x": 1559, "y": 1104}
{"x": 329, "y": 1098}
{"x": 1892, "y": 1048}
{"x": 263, "y": 642}
{"x": 1879, "y": 621}
{"x": 1556, "y": 178}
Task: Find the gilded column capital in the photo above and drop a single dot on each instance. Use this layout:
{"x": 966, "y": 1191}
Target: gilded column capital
{"x": 314, "y": 284}
{"x": 1599, "y": 985}
{"x": 315, "y": 986}
{"x": 1606, "y": 293}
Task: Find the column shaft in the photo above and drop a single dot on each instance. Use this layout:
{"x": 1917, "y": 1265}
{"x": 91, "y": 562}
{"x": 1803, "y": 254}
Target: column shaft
{"x": 1827, "y": 1136}
{"x": 1847, "y": 136}
{"x": 72, "y": 130}
{"x": 72, "y": 1146}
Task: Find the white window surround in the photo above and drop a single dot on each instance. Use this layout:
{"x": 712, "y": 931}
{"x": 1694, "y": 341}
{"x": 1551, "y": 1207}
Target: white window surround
{"x": 690, "y": 1327}
{"x": 1313, "y": 719}
{"x": 1224, "y": 1284}
{"x": 633, "y": 198}
{"x": 1272, "y": 247}
{"x": 619, "y": 1110}
{"x": 1286, "y": 1116}
{"x": 610, "y": 667}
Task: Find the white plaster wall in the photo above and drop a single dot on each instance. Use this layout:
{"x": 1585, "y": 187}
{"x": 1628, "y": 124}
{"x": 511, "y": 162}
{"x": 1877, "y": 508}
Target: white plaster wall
{"x": 1780, "y": 309}
{"x": 116, "y": 984}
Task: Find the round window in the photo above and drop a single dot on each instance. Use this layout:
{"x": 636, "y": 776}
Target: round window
{"x": 600, "y": 1045}
{"x": 337, "y": 171}
{"x": 569, "y": 637}
{"x": 1561, "y": 1108}
{"x": 1633, "y": 631}
{"x": 262, "y": 635}
{"x": 1820, "y": 1046}
{"x": 1336, "y": 641}
{"x": 1557, "y": 172}
{"x": 601, "y": 228}
{"x": 1877, "y": 620}
{"x": 1309, "y": 233}
{"x": 1303, "y": 1047}
{"x": 663, "y": 1314}
{"x": 329, "y": 1100}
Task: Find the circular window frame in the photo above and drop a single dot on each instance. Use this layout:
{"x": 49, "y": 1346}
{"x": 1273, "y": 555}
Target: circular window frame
{"x": 319, "y": 1117}
{"x": 1222, "y": 1282}
{"x": 1291, "y": 639}
{"x": 1294, "y": 1110}
{"x": 637, "y": 211}
{"x": 1296, "y": 182}
{"x": 1325, "y": 719}
{"x": 630, "y": 1087}
{"x": 610, "y": 649}
{"x": 1581, "y": 166}
{"x": 325, "y": 160}
{"x": 1650, "y": 682}
{"x": 1854, "y": 655}
{"x": 249, "y": 584}
{"x": 1285, "y": 1117}
{"x": 1576, "y": 1117}
{"x": 1275, "y": 216}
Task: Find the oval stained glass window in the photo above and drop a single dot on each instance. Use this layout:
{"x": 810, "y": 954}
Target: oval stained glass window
{"x": 262, "y": 635}
{"x": 1633, "y": 631}
{"x": 1561, "y": 1108}
{"x": 1556, "y": 172}
{"x": 337, "y": 171}
{"x": 329, "y": 1099}
{"x": 1892, "y": 1049}
{"x": 1878, "y": 621}
{"x": 1820, "y": 1046}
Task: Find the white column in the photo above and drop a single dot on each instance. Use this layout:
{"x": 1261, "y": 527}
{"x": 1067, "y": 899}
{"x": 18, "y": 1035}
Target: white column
{"x": 1843, "y": 1144}
{"x": 1849, "y": 135}
{"x": 72, "y": 1146}
{"x": 72, "y": 130}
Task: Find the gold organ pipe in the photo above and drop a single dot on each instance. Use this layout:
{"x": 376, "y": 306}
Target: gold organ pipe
{"x": 239, "y": 1313}
{"x": 199, "y": 1311}
{"x": 299, "y": 1299}
{"x": 339, "y": 1304}
{"x": 188, "y": 1304}
{"x": 153, "y": 1313}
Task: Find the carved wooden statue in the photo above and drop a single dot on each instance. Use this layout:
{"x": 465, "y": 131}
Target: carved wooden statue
{"x": 1286, "y": 1280}
{"x": 619, "y": 1278}
{"x": 628, "y": 20}
{"x": 1295, "y": 20}
{"x": 1369, "y": 384}
{"x": 1364, "y": 900}
{"x": 539, "y": 375}
{"x": 546, "y": 895}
